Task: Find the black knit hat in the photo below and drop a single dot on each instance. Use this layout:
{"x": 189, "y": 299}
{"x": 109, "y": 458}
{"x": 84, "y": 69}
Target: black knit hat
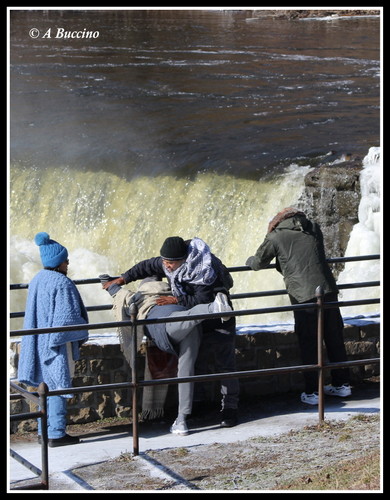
{"x": 174, "y": 248}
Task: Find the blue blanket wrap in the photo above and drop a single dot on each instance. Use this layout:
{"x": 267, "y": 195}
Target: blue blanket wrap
{"x": 53, "y": 300}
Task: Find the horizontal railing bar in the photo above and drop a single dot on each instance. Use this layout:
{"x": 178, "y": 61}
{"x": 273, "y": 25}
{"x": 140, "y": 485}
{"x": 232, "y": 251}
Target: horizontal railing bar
{"x": 330, "y": 261}
{"x": 353, "y": 362}
{"x": 269, "y": 293}
{"x": 182, "y": 380}
{"x": 26, "y": 416}
{"x": 212, "y": 376}
{"x": 174, "y": 319}
{"x": 233, "y": 296}
{"x": 167, "y": 319}
{"x": 87, "y": 281}
{"x": 106, "y": 307}
{"x": 320, "y": 366}
{"x": 347, "y": 303}
{"x": 253, "y": 373}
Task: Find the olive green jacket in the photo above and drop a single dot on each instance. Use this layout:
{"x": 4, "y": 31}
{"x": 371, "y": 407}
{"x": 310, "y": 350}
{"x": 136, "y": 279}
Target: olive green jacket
{"x": 297, "y": 245}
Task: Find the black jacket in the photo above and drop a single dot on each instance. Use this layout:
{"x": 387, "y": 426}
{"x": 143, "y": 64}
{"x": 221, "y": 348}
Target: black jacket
{"x": 195, "y": 294}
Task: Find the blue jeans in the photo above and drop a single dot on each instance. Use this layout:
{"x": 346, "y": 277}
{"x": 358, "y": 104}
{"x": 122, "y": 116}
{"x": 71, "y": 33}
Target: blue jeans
{"x": 56, "y": 417}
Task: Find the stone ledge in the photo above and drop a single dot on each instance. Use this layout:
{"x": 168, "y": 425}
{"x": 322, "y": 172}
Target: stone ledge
{"x": 105, "y": 364}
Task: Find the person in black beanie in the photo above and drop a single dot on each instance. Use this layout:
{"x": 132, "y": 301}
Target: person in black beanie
{"x": 196, "y": 276}
{"x": 180, "y": 339}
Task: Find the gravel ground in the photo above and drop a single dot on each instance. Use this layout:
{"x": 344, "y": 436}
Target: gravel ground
{"x": 252, "y": 465}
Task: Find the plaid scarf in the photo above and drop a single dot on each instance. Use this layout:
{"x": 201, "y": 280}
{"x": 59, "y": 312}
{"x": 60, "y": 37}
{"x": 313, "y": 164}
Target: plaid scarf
{"x": 153, "y": 397}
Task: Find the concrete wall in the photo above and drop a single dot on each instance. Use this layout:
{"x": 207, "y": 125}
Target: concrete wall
{"x": 105, "y": 364}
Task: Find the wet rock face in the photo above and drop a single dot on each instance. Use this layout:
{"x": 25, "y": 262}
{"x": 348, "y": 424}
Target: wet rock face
{"x": 331, "y": 198}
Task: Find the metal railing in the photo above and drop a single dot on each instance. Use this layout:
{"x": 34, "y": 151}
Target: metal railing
{"x": 136, "y": 384}
{"x": 39, "y": 398}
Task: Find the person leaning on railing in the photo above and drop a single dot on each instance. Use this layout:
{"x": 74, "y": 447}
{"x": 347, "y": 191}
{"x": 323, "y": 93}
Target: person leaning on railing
{"x": 195, "y": 276}
{"x": 297, "y": 245}
{"x": 179, "y": 339}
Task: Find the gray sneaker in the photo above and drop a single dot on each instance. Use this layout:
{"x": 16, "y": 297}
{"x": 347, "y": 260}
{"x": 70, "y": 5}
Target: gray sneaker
{"x": 221, "y": 304}
{"x": 179, "y": 428}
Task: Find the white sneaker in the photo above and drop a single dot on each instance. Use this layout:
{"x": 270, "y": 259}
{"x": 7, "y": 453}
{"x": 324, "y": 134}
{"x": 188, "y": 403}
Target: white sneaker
{"x": 343, "y": 391}
{"x": 310, "y": 399}
{"x": 221, "y": 304}
{"x": 179, "y": 428}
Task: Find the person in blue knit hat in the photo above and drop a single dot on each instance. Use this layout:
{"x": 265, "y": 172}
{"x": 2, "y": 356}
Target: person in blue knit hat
{"x": 53, "y": 254}
{"x": 53, "y": 300}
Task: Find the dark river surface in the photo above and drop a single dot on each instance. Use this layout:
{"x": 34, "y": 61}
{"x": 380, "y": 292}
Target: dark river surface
{"x": 183, "y": 91}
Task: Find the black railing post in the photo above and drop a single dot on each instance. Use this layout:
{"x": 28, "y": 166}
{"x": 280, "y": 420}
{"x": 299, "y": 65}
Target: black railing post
{"x": 320, "y": 351}
{"x": 42, "y": 392}
{"x": 133, "y": 317}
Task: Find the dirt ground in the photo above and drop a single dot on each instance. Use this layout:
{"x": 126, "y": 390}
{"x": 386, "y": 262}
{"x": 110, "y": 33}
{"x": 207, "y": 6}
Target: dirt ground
{"x": 256, "y": 464}
{"x": 261, "y": 463}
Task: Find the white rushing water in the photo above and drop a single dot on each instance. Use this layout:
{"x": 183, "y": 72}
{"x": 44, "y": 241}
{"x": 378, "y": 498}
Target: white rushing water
{"x": 242, "y": 222}
{"x": 128, "y": 222}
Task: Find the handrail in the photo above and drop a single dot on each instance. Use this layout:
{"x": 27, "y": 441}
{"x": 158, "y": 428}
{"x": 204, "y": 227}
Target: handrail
{"x": 242, "y": 312}
{"x": 238, "y": 374}
{"x": 89, "y": 281}
{"x": 39, "y": 397}
{"x": 233, "y": 296}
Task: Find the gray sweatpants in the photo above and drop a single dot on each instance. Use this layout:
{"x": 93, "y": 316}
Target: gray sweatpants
{"x": 187, "y": 335}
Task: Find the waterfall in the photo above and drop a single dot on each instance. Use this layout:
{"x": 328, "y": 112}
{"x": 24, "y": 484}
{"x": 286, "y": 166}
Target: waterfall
{"x": 109, "y": 223}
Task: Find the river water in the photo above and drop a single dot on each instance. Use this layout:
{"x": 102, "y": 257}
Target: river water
{"x": 184, "y": 122}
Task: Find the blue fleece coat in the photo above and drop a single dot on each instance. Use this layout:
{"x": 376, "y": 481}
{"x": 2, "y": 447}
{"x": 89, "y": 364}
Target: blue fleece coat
{"x": 53, "y": 300}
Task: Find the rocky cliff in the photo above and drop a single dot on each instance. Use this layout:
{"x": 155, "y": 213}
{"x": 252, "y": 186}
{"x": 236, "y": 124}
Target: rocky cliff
{"x": 331, "y": 197}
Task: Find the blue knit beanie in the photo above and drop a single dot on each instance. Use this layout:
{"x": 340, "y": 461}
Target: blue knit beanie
{"x": 52, "y": 253}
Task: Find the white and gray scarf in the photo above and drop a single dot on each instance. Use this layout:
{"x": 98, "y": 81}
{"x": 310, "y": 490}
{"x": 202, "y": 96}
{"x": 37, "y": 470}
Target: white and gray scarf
{"x": 197, "y": 268}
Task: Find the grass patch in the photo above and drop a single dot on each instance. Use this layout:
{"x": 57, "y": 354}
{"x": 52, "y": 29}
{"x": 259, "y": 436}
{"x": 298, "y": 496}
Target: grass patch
{"x": 357, "y": 474}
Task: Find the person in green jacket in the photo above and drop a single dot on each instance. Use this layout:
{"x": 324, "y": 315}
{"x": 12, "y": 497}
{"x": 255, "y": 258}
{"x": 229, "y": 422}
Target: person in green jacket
{"x": 297, "y": 245}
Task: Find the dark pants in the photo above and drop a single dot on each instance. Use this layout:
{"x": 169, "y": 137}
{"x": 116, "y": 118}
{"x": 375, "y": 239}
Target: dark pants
{"x": 222, "y": 348}
{"x": 306, "y": 330}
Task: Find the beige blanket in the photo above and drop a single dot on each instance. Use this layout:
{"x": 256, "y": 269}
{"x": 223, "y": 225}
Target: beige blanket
{"x": 153, "y": 397}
